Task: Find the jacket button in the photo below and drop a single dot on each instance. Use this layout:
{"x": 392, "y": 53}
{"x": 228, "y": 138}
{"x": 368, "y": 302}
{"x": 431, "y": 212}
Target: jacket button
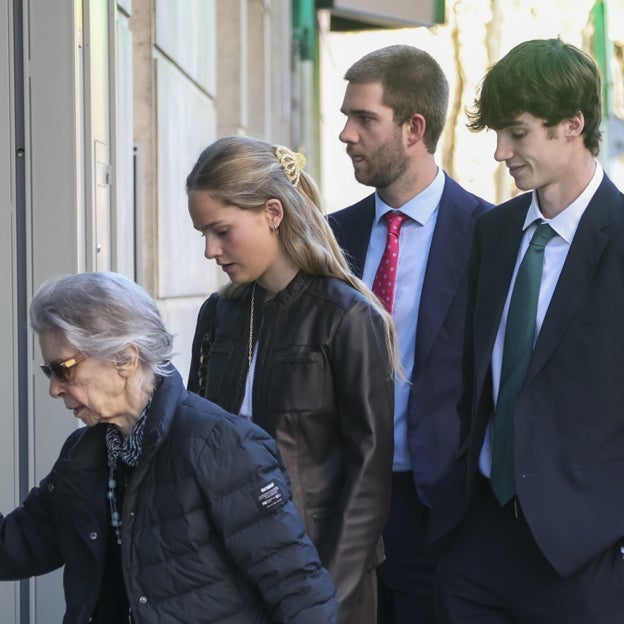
{"x": 50, "y": 487}
{"x": 93, "y": 535}
{"x": 143, "y": 600}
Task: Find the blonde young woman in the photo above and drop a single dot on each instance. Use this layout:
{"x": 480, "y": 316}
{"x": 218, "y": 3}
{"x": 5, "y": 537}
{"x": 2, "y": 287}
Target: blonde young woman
{"x": 300, "y": 346}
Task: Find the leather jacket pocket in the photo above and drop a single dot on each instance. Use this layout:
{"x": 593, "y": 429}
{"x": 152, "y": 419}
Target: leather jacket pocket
{"x": 300, "y": 380}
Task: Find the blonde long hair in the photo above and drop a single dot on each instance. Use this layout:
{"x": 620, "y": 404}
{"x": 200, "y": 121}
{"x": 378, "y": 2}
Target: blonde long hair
{"x": 245, "y": 172}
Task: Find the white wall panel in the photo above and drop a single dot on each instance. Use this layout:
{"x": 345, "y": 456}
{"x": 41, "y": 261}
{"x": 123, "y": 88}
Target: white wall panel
{"x": 125, "y": 5}
{"x": 186, "y": 124}
{"x": 186, "y": 33}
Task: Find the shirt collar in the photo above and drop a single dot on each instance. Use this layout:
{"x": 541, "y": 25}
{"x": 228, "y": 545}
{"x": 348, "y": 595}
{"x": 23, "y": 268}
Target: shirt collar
{"x": 566, "y": 222}
{"x": 421, "y": 207}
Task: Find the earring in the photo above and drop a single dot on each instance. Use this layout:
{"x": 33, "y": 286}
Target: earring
{"x": 276, "y": 229}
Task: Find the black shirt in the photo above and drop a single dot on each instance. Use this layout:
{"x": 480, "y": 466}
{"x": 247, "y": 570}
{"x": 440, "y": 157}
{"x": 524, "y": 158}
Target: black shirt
{"x": 112, "y": 606}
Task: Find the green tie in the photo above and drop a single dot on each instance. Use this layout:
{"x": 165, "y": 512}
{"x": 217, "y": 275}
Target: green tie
{"x": 517, "y": 350}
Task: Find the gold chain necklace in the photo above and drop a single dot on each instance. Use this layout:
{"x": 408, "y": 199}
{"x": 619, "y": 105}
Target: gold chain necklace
{"x": 249, "y": 383}
{"x": 251, "y": 323}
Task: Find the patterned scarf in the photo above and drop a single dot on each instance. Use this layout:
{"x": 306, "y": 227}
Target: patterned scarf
{"x": 129, "y": 449}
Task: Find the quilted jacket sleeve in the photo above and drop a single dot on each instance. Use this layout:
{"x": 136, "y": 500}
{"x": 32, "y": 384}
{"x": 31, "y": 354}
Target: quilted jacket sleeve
{"x": 28, "y": 540}
{"x": 250, "y": 504}
{"x": 29, "y": 535}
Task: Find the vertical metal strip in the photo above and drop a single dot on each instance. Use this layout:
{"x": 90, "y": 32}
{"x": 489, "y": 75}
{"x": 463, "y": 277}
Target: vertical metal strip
{"x": 21, "y": 271}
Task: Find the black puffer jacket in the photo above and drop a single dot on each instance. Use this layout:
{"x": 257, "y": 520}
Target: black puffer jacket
{"x": 322, "y": 388}
{"x": 202, "y": 542}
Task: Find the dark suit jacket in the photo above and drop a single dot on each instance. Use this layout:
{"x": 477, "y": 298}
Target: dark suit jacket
{"x": 432, "y": 420}
{"x": 569, "y": 418}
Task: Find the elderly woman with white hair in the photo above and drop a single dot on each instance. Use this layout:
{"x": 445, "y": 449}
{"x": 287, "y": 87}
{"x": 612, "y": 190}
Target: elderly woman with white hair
{"x": 164, "y": 508}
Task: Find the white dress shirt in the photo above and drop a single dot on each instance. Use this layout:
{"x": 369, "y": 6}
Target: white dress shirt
{"x": 565, "y": 225}
{"x": 414, "y": 245}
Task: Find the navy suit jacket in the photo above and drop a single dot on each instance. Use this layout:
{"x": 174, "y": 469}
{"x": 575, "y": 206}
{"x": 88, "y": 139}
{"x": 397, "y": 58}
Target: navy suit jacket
{"x": 432, "y": 418}
{"x": 569, "y": 417}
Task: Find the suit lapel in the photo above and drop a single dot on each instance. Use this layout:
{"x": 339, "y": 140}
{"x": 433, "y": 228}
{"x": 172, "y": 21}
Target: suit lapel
{"x": 591, "y": 237}
{"x": 445, "y": 270}
{"x": 355, "y": 230}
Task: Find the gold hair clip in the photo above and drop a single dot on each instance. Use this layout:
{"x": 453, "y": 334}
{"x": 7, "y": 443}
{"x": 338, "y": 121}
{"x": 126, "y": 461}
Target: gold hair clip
{"x": 292, "y": 163}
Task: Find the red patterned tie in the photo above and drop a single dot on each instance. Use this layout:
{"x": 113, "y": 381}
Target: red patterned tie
{"x": 385, "y": 278}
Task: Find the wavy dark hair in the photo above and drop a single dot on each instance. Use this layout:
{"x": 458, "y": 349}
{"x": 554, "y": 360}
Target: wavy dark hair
{"x": 548, "y": 78}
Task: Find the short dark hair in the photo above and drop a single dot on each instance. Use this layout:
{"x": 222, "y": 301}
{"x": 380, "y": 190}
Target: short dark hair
{"x": 412, "y": 81}
{"x": 548, "y": 78}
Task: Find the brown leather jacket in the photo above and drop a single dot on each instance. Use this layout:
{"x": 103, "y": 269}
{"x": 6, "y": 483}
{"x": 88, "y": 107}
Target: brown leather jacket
{"x": 323, "y": 390}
